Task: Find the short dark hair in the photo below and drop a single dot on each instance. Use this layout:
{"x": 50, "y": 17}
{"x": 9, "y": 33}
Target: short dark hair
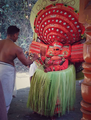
{"x": 12, "y": 30}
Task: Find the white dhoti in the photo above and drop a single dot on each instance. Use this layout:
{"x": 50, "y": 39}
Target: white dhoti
{"x": 32, "y": 69}
{"x": 7, "y": 77}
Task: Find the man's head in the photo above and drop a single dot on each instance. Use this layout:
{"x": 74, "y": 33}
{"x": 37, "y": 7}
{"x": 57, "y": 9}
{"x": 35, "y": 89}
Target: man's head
{"x": 13, "y": 32}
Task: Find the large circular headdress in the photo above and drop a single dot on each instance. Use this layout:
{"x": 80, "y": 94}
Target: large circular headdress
{"x": 58, "y": 22}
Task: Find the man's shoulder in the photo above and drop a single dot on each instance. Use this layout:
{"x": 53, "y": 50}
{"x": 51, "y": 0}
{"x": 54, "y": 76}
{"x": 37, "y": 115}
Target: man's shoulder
{"x": 2, "y": 40}
{"x": 18, "y": 49}
{"x": 15, "y": 45}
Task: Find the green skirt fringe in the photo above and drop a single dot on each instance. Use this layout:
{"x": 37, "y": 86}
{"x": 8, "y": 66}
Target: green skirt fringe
{"x": 47, "y": 87}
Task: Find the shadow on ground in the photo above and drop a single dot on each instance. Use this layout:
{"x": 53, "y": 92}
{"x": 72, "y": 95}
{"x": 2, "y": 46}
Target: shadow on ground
{"x": 18, "y": 109}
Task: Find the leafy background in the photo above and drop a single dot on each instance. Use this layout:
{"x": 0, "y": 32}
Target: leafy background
{"x": 17, "y": 12}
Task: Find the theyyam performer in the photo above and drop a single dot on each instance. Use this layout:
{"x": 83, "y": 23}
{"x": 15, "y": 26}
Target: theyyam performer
{"x": 57, "y": 26}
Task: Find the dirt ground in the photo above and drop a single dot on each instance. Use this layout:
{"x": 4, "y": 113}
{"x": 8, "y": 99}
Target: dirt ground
{"x": 18, "y": 109}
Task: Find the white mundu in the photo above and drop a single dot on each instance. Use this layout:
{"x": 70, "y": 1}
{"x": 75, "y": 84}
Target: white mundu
{"x": 32, "y": 69}
{"x": 7, "y": 78}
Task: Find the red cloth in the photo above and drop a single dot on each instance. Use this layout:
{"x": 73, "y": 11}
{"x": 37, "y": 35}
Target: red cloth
{"x": 57, "y": 67}
{"x": 64, "y": 65}
{"x": 77, "y": 53}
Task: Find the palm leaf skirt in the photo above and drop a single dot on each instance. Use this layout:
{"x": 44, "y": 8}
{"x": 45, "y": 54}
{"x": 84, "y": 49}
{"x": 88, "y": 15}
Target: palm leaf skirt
{"x": 52, "y": 92}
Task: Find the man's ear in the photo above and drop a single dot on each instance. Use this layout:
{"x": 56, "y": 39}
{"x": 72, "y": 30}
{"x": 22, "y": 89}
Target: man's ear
{"x": 13, "y": 35}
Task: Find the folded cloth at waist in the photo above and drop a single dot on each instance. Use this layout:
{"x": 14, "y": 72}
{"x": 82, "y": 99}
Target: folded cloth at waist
{"x": 7, "y": 78}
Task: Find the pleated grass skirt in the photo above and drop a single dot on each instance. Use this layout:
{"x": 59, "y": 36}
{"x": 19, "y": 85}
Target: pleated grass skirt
{"x": 52, "y": 92}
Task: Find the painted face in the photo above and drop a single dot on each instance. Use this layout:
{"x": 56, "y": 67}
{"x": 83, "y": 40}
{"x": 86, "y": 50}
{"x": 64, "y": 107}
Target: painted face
{"x": 56, "y": 50}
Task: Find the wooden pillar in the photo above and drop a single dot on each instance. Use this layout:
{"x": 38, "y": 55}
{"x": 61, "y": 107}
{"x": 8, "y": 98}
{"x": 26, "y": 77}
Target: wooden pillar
{"x": 85, "y": 19}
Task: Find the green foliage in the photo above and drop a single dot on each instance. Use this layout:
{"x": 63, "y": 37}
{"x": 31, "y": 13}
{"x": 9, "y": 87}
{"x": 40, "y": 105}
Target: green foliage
{"x": 14, "y": 12}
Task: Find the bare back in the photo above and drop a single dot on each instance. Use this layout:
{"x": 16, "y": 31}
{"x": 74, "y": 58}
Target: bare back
{"x": 8, "y": 51}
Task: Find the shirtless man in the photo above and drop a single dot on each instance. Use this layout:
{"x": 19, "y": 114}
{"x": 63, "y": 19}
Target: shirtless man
{"x": 8, "y": 52}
